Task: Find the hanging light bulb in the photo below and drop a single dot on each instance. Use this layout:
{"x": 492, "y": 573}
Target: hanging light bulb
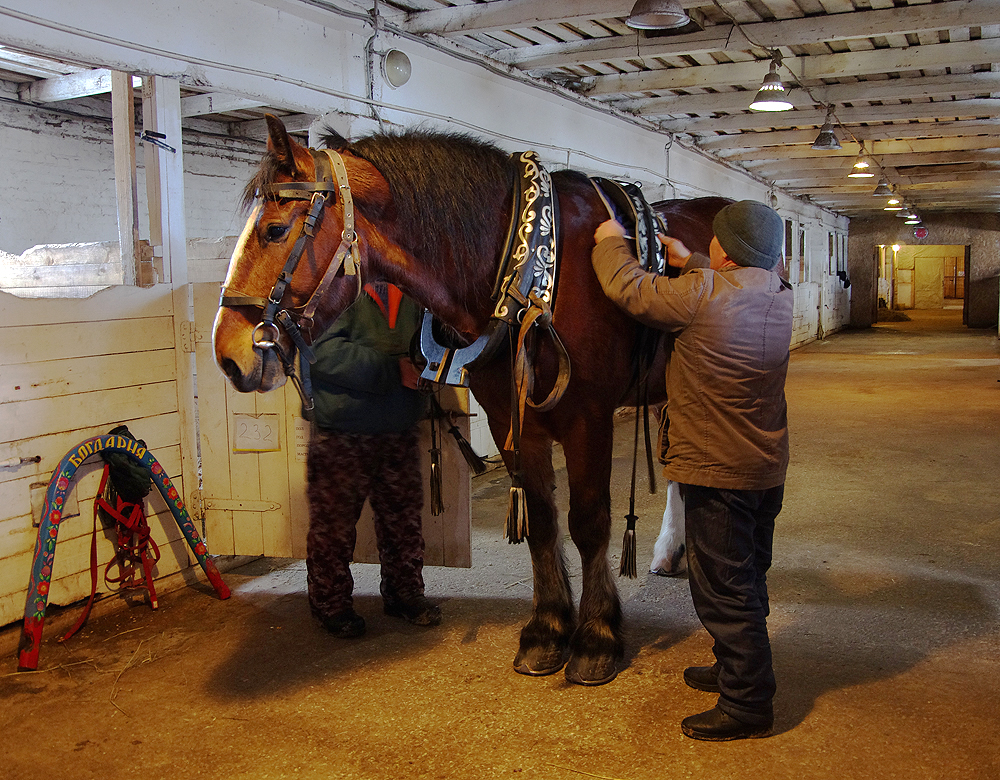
{"x": 827, "y": 139}
{"x": 772, "y": 95}
{"x": 657, "y": 15}
{"x": 861, "y": 166}
{"x": 913, "y": 219}
{"x": 882, "y": 189}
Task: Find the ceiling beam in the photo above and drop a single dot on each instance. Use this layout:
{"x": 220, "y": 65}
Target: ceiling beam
{"x": 770, "y": 168}
{"x": 69, "y": 87}
{"x": 257, "y": 128}
{"x": 875, "y": 149}
{"x": 28, "y": 64}
{"x": 789, "y": 32}
{"x": 507, "y": 14}
{"x": 765, "y": 120}
{"x": 800, "y": 179}
{"x": 962, "y": 128}
{"x": 959, "y": 85}
{"x": 216, "y": 103}
{"x": 807, "y": 70}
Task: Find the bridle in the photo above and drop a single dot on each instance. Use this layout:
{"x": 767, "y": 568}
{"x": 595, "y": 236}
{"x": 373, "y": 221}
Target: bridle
{"x": 297, "y": 321}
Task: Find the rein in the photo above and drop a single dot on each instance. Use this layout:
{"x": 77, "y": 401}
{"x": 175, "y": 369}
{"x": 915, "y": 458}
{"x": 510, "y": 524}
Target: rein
{"x": 295, "y": 320}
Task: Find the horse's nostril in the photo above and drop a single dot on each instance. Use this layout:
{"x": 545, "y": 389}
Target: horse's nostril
{"x": 231, "y": 370}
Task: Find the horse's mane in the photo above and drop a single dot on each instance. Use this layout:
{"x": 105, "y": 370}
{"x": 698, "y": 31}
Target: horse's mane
{"x": 450, "y": 191}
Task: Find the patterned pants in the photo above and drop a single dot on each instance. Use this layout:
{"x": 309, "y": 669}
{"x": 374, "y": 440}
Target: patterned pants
{"x": 344, "y": 469}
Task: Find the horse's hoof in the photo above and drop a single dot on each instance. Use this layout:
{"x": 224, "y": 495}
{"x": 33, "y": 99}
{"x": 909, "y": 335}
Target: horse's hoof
{"x": 538, "y": 662}
{"x": 679, "y": 572}
{"x": 594, "y": 670}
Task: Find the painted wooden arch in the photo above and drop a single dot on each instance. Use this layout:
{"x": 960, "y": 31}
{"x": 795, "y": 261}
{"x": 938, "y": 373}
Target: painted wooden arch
{"x": 48, "y": 531}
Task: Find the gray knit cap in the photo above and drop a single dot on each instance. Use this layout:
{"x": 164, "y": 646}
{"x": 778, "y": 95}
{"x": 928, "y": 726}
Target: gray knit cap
{"x": 750, "y": 233}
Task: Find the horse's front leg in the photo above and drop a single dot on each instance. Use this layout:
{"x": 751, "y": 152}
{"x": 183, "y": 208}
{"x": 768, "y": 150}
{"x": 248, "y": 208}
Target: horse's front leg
{"x": 597, "y": 643}
{"x": 545, "y": 637}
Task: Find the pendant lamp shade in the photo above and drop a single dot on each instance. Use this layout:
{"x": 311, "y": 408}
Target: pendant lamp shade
{"x": 882, "y": 189}
{"x": 657, "y": 15}
{"x": 772, "y": 95}
{"x": 827, "y": 139}
{"x": 860, "y": 169}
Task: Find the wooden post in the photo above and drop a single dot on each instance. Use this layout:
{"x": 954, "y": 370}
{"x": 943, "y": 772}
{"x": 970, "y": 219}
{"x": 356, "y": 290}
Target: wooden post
{"x": 164, "y": 155}
{"x": 123, "y": 131}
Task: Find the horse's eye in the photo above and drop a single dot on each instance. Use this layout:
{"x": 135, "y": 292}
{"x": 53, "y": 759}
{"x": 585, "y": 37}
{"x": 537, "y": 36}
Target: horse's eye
{"x": 276, "y": 232}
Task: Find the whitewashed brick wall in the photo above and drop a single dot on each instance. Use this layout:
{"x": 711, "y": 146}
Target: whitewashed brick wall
{"x": 58, "y": 181}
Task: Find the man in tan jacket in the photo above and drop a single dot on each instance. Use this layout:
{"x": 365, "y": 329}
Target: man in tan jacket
{"x": 728, "y": 440}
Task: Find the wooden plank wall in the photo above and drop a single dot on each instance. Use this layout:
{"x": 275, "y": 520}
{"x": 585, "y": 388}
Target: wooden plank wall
{"x": 232, "y": 479}
{"x": 71, "y": 369}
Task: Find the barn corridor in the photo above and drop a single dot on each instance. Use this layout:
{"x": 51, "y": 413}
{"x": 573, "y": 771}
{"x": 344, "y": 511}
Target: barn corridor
{"x": 885, "y": 625}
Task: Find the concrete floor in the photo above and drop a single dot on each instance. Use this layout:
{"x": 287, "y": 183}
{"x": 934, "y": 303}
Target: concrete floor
{"x": 885, "y": 623}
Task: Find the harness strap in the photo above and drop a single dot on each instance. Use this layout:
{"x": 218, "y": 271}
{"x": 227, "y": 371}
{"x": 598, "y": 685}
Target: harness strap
{"x": 348, "y": 253}
{"x": 537, "y": 314}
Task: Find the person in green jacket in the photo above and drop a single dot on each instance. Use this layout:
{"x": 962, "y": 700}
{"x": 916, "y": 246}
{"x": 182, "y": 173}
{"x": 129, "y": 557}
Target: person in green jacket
{"x": 365, "y": 444}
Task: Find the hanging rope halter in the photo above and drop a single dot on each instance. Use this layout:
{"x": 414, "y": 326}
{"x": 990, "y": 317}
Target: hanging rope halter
{"x": 297, "y": 321}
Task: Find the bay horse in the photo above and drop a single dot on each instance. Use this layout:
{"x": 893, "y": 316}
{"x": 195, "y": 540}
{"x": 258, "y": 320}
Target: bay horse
{"x": 430, "y": 212}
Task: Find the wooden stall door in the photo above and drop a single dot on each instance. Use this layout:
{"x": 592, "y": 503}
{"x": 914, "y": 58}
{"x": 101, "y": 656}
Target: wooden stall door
{"x": 253, "y": 459}
{"x": 73, "y": 369}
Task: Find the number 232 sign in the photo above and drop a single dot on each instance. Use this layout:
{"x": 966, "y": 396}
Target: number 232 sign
{"x": 256, "y": 433}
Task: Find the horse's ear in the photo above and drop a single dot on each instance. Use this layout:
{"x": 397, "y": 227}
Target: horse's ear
{"x": 278, "y": 142}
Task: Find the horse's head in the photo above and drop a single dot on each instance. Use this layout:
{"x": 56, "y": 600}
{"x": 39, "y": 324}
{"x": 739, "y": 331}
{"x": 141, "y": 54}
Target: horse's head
{"x": 300, "y": 259}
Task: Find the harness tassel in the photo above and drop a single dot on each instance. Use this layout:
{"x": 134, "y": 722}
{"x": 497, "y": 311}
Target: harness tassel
{"x": 516, "y": 530}
{"x": 628, "y": 549}
{"x": 437, "y": 504}
{"x": 475, "y": 461}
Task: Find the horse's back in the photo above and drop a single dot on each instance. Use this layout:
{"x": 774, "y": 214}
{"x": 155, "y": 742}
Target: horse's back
{"x": 598, "y": 335}
{"x": 690, "y": 220}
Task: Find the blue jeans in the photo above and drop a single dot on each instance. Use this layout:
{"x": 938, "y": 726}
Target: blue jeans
{"x": 729, "y": 537}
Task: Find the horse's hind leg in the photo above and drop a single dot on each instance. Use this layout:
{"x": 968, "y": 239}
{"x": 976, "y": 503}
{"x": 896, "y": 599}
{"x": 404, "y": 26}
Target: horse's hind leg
{"x": 668, "y": 552}
{"x": 597, "y": 643}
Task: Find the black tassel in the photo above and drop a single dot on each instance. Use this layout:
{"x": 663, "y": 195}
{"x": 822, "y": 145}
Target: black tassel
{"x": 627, "y": 568}
{"x": 475, "y": 462}
{"x": 437, "y": 505}
{"x": 516, "y": 530}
